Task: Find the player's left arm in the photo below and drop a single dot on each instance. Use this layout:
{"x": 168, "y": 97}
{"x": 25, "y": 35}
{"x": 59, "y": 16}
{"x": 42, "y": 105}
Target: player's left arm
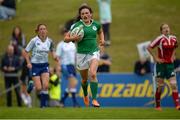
{"x": 177, "y": 44}
{"x": 53, "y": 53}
{"x": 56, "y": 58}
{"x": 58, "y": 66}
{"x": 101, "y": 37}
{"x": 174, "y": 51}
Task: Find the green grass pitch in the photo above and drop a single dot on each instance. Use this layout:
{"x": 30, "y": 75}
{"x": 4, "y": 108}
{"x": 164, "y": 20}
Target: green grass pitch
{"x": 88, "y": 113}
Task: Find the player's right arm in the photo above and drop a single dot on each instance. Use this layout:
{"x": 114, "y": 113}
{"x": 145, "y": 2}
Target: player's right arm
{"x": 68, "y": 38}
{"x": 27, "y": 58}
{"x": 150, "y": 48}
{"x": 156, "y": 59}
{"x": 26, "y": 51}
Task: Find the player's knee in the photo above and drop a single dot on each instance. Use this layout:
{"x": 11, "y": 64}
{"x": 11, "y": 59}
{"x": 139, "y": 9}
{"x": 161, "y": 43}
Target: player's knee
{"x": 160, "y": 83}
{"x": 73, "y": 83}
{"x": 38, "y": 88}
{"x": 84, "y": 80}
{"x": 174, "y": 87}
{"x": 173, "y": 84}
{"x": 93, "y": 75}
{"x": 45, "y": 87}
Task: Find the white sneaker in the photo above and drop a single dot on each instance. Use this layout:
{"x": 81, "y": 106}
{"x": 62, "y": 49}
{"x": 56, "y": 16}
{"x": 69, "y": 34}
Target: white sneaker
{"x": 29, "y": 105}
{"x": 23, "y": 96}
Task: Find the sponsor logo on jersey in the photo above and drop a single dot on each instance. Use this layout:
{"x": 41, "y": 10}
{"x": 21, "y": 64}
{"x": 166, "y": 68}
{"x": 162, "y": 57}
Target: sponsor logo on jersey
{"x": 94, "y": 28}
{"x": 37, "y": 43}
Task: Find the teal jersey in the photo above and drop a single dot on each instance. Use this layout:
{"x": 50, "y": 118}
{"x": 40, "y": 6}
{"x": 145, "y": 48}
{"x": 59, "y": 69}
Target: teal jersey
{"x": 88, "y": 44}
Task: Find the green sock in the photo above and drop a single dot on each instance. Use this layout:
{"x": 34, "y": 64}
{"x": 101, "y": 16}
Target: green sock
{"x": 85, "y": 87}
{"x": 94, "y": 89}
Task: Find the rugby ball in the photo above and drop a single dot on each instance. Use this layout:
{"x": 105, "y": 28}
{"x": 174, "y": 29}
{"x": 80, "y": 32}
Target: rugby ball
{"x": 78, "y": 31}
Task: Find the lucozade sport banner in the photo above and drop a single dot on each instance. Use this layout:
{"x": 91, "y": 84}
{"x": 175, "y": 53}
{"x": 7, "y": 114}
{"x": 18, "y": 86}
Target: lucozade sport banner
{"x": 124, "y": 90}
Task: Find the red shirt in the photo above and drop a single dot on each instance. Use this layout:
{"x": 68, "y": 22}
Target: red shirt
{"x": 166, "y": 46}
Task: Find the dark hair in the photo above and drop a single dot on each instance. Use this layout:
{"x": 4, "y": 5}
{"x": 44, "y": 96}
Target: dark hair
{"x": 67, "y": 26}
{"x": 83, "y": 7}
{"x": 20, "y": 33}
{"x": 161, "y": 27}
{"x": 38, "y": 26}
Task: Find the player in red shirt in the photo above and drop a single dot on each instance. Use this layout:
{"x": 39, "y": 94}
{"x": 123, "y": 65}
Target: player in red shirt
{"x": 166, "y": 45}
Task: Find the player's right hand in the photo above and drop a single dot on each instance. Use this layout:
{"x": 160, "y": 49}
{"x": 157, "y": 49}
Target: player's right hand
{"x": 158, "y": 60}
{"x": 29, "y": 65}
{"x": 76, "y": 38}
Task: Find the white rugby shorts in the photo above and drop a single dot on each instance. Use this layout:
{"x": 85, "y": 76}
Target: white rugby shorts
{"x": 83, "y": 60}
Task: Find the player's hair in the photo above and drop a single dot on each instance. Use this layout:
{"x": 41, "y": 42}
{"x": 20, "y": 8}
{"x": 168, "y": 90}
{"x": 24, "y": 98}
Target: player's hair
{"x": 83, "y": 7}
{"x": 13, "y": 32}
{"x": 161, "y": 26}
{"x": 38, "y": 26}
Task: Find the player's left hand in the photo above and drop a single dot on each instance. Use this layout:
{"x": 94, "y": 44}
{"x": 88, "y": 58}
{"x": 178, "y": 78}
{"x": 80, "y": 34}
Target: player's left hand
{"x": 76, "y": 38}
{"x": 172, "y": 58}
{"x": 101, "y": 43}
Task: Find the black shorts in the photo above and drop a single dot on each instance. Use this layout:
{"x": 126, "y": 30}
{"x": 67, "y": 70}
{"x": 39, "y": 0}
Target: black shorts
{"x": 25, "y": 75}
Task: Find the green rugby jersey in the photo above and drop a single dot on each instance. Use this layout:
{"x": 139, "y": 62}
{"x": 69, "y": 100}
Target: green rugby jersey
{"x": 88, "y": 44}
